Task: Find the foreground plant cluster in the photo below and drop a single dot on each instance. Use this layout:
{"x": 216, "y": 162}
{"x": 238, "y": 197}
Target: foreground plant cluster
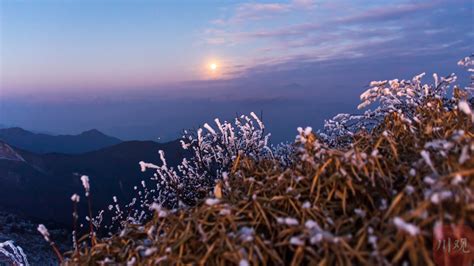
{"x": 371, "y": 189}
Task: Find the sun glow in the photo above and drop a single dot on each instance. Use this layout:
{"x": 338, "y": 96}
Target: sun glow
{"x": 213, "y": 67}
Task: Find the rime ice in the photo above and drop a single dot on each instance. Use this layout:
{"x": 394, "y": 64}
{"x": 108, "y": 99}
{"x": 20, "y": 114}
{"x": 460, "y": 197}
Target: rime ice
{"x": 85, "y": 184}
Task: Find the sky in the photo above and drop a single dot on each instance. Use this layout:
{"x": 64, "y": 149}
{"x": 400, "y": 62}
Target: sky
{"x": 141, "y": 69}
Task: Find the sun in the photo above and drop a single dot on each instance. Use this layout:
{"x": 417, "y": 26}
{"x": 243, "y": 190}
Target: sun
{"x": 213, "y": 66}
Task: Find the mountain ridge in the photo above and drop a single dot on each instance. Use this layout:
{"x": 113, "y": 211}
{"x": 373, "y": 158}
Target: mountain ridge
{"x": 86, "y": 141}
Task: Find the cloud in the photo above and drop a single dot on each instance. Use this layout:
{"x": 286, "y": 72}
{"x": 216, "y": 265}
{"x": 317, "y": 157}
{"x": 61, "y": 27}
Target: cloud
{"x": 258, "y": 11}
{"x": 376, "y": 14}
{"x": 385, "y": 13}
{"x": 331, "y": 32}
{"x": 308, "y": 4}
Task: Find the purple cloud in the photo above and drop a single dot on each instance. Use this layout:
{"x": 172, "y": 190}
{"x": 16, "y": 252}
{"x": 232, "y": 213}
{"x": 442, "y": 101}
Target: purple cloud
{"x": 258, "y": 11}
{"x": 385, "y": 13}
{"x": 331, "y": 32}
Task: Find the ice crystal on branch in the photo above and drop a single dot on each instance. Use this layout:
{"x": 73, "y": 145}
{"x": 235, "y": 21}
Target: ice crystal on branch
{"x": 468, "y": 62}
{"x": 44, "y": 232}
{"x": 14, "y": 253}
{"x": 85, "y": 184}
{"x": 75, "y": 198}
{"x": 390, "y": 96}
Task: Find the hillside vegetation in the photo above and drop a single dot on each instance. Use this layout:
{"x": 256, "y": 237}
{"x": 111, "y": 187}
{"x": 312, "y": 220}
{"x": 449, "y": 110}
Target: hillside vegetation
{"x": 369, "y": 189}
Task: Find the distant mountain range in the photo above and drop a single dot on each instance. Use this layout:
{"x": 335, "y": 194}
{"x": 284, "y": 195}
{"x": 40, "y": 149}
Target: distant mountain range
{"x": 44, "y": 143}
{"x": 40, "y": 185}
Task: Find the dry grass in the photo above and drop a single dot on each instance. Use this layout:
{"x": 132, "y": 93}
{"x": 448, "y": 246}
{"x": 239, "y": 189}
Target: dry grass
{"x": 326, "y": 186}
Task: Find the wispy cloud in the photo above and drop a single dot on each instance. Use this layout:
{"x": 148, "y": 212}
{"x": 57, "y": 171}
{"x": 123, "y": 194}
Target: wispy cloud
{"x": 257, "y": 11}
{"x": 327, "y": 30}
{"x": 386, "y": 13}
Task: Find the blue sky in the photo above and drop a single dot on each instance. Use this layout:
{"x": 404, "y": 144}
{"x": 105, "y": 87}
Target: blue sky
{"x": 140, "y": 69}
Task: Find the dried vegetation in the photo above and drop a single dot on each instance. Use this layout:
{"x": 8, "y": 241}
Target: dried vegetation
{"x": 374, "y": 202}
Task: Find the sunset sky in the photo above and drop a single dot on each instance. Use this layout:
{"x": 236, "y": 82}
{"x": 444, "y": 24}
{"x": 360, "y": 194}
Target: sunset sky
{"x": 141, "y": 69}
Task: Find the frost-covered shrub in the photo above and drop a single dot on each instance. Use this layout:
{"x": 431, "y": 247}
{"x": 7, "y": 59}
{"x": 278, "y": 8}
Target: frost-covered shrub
{"x": 284, "y": 153}
{"x": 390, "y": 96}
{"x": 213, "y": 152}
{"x": 214, "y": 149}
{"x": 468, "y": 62}
{"x": 13, "y": 253}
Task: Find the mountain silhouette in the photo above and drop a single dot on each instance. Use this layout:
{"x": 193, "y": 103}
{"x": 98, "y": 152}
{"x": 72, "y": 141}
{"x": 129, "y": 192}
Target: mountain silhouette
{"x": 44, "y": 143}
{"x": 40, "y": 185}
